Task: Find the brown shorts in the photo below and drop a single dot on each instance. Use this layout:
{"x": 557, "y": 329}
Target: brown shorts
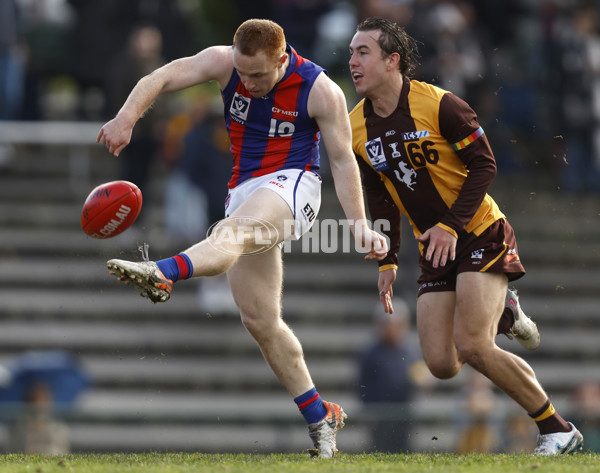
{"x": 494, "y": 251}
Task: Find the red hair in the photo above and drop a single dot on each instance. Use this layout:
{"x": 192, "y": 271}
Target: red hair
{"x": 256, "y": 35}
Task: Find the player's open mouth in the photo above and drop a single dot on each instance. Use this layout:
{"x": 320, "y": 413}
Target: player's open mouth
{"x": 356, "y": 76}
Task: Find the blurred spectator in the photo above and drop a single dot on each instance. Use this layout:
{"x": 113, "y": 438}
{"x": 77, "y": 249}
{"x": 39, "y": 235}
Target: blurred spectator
{"x": 142, "y": 56}
{"x": 478, "y": 435}
{"x": 170, "y": 20}
{"x": 299, "y": 19}
{"x": 35, "y": 388}
{"x": 579, "y": 108}
{"x": 36, "y": 431}
{"x": 519, "y": 434}
{"x": 501, "y": 19}
{"x": 399, "y": 11}
{"x": 94, "y": 51}
{"x": 390, "y": 372}
{"x": 586, "y": 400}
{"x": 196, "y": 149}
{"x": 455, "y": 61}
{"x": 334, "y": 31}
{"x": 98, "y": 34}
{"x": 50, "y": 90}
{"x": 12, "y": 61}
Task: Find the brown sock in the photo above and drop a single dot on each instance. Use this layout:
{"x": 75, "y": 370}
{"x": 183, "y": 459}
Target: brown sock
{"x": 506, "y": 321}
{"x": 548, "y": 420}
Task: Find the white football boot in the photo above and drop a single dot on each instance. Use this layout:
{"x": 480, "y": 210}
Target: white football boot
{"x": 323, "y": 432}
{"x": 524, "y": 329}
{"x": 559, "y": 443}
{"x": 149, "y": 280}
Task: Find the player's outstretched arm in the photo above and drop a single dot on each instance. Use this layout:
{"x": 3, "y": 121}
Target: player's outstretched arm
{"x": 327, "y": 105}
{"x": 210, "y": 64}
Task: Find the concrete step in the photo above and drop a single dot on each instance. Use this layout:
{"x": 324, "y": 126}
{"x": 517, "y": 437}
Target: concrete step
{"x": 89, "y": 303}
{"x": 560, "y": 365}
{"x": 225, "y": 335}
{"x": 159, "y": 406}
{"x": 316, "y": 273}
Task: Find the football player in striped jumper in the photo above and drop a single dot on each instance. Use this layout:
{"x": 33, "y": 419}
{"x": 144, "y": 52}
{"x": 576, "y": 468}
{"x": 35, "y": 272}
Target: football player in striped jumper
{"x": 277, "y": 106}
{"x": 423, "y": 154}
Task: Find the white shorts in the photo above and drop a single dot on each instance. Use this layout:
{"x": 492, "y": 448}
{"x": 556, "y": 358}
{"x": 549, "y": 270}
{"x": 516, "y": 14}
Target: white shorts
{"x": 300, "y": 189}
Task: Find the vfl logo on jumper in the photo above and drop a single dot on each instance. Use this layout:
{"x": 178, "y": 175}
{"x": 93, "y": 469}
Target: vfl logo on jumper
{"x": 414, "y": 135}
{"x": 239, "y": 107}
{"x": 408, "y": 175}
{"x": 476, "y": 255}
{"x": 395, "y": 152}
{"x": 308, "y": 212}
{"x": 375, "y": 153}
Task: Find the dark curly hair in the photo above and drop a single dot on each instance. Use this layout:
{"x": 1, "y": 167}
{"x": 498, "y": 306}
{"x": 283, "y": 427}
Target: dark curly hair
{"x": 394, "y": 39}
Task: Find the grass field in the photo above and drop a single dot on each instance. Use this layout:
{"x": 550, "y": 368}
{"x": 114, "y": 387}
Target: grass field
{"x": 297, "y": 463}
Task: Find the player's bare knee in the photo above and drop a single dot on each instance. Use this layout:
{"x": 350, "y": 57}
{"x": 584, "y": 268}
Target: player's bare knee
{"x": 443, "y": 368}
{"x": 259, "y": 327}
{"x": 472, "y": 354}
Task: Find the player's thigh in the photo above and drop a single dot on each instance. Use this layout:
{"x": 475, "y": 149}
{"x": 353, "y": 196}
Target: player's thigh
{"x": 265, "y": 206}
{"x": 479, "y": 305}
{"x": 256, "y": 282}
{"x": 435, "y": 325}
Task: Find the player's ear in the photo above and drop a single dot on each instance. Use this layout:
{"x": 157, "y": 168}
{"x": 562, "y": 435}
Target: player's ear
{"x": 392, "y": 61}
{"x": 282, "y": 59}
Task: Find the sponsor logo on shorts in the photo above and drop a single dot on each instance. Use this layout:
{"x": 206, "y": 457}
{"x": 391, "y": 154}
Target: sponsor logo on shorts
{"x": 477, "y": 254}
{"x": 308, "y": 212}
{"x": 281, "y": 178}
{"x": 435, "y": 284}
{"x": 512, "y": 256}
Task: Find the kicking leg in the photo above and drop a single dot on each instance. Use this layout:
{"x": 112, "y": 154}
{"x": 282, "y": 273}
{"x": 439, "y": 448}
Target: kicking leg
{"x": 262, "y": 221}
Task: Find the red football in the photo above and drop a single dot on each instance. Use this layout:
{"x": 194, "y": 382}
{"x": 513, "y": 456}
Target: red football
{"x": 110, "y": 209}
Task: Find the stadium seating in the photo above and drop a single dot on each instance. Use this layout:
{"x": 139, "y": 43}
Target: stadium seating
{"x": 172, "y": 376}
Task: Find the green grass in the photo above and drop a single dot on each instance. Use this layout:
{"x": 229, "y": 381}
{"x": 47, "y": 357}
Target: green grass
{"x": 296, "y": 463}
